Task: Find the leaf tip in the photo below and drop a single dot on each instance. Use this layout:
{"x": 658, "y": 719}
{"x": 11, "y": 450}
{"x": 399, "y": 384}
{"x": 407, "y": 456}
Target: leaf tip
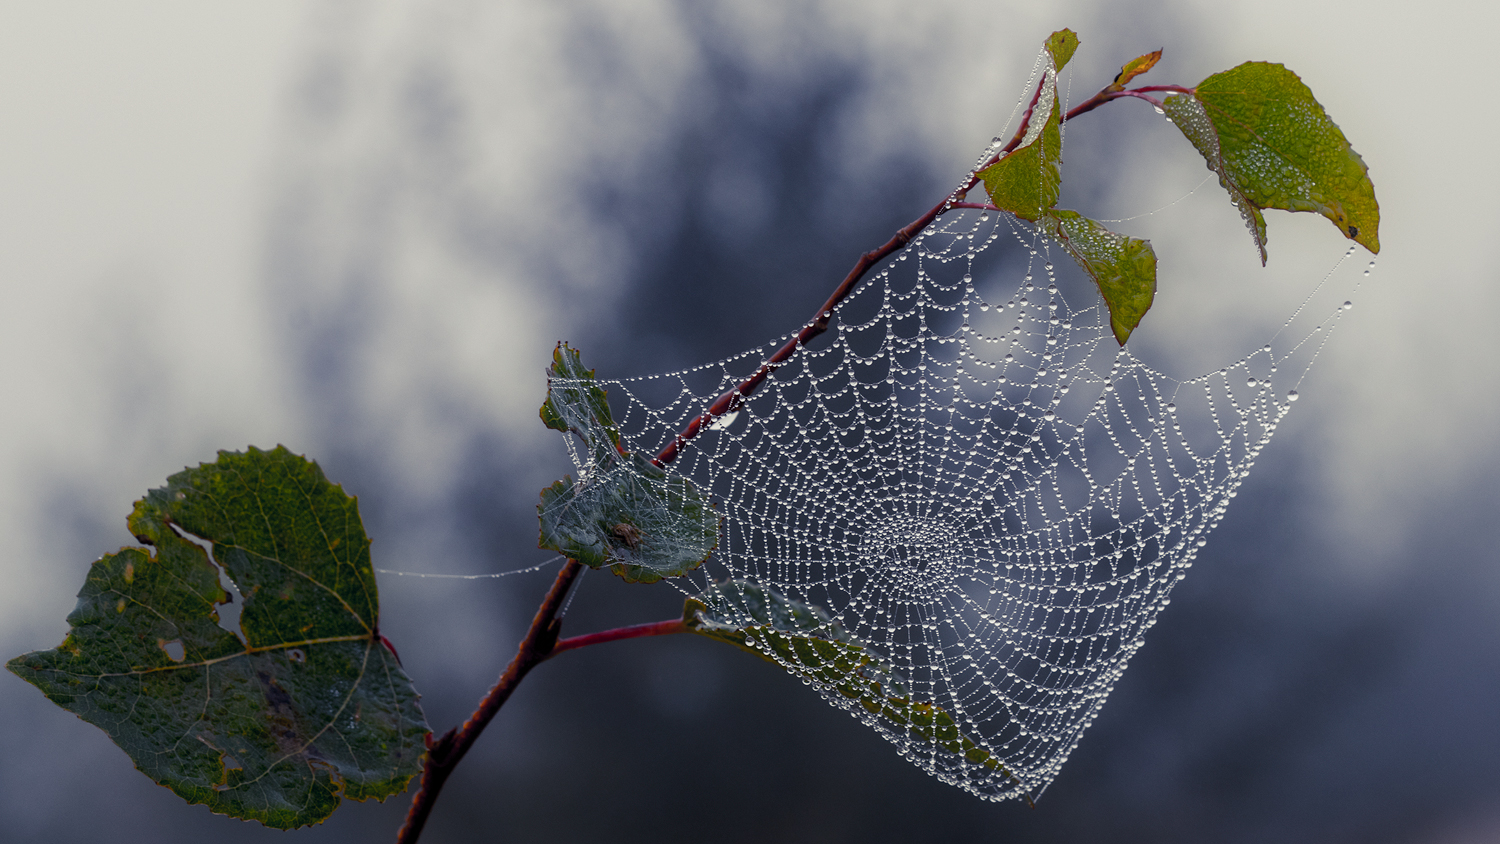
{"x": 1061, "y": 45}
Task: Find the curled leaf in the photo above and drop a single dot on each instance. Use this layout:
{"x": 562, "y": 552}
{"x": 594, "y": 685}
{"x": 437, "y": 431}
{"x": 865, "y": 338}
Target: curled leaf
{"x": 277, "y": 719}
{"x": 577, "y": 404}
{"x": 1272, "y": 145}
{"x": 1133, "y": 68}
{"x": 1123, "y": 268}
{"x": 1026, "y": 180}
{"x": 625, "y": 512}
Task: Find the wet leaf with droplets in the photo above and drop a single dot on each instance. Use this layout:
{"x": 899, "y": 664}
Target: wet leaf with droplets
{"x": 632, "y": 516}
{"x": 624, "y": 512}
{"x": 1026, "y": 180}
{"x": 1123, "y": 268}
{"x": 1273, "y": 146}
{"x": 308, "y": 707}
{"x": 808, "y": 643}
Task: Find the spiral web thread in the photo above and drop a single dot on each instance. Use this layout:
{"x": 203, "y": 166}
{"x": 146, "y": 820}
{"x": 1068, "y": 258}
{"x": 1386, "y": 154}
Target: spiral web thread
{"x": 990, "y": 495}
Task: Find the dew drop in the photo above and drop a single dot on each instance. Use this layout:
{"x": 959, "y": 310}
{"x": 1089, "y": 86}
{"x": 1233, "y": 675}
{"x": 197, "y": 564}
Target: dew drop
{"x": 1251, "y": 382}
{"x": 1291, "y": 395}
{"x": 984, "y": 307}
{"x": 1348, "y": 306}
{"x": 1171, "y": 407}
{"x": 1159, "y": 109}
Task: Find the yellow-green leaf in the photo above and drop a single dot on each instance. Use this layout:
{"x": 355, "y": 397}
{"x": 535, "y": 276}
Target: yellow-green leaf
{"x": 1061, "y": 45}
{"x": 1026, "y": 180}
{"x": 1124, "y": 268}
{"x": 1133, "y": 68}
{"x": 1272, "y": 145}
{"x": 305, "y": 705}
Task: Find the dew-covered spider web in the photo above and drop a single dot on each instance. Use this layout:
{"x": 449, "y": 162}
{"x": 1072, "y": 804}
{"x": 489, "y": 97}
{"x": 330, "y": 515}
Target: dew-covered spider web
{"x": 976, "y": 483}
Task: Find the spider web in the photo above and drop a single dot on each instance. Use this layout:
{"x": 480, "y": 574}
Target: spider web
{"x": 988, "y": 493}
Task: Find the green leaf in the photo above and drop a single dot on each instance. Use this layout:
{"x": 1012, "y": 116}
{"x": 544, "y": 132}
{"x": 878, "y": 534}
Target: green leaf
{"x": 1273, "y": 146}
{"x": 805, "y": 641}
{"x": 632, "y": 516}
{"x": 308, "y": 707}
{"x": 1124, "y": 268}
{"x": 1061, "y": 45}
{"x": 1026, "y": 180}
{"x": 575, "y": 402}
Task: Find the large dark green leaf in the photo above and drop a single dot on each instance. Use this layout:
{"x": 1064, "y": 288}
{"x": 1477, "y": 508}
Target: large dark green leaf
{"x": 804, "y": 640}
{"x": 1273, "y": 146}
{"x": 1124, "y": 268}
{"x": 306, "y": 704}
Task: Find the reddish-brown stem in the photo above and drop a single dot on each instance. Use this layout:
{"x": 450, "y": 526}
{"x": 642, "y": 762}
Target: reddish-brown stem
{"x": 730, "y": 401}
{"x": 635, "y": 631}
{"x": 446, "y": 752}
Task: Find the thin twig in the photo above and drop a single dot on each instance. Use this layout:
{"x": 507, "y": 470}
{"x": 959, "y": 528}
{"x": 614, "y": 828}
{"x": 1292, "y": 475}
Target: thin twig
{"x": 635, "y": 631}
{"x": 731, "y": 400}
{"x": 446, "y": 752}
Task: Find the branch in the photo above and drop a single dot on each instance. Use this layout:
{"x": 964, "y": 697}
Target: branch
{"x": 446, "y": 752}
{"x": 731, "y": 400}
{"x": 635, "y": 631}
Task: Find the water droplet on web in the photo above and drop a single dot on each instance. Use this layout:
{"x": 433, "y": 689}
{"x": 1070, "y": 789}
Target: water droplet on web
{"x": 984, "y": 307}
{"x": 1348, "y": 306}
{"x": 1251, "y": 382}
{"x": 1171, "y": 407}
{"x": 1291, "y": 395}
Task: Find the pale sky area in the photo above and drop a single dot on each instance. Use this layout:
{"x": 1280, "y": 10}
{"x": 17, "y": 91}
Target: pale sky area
{"x": 359, "y": 228}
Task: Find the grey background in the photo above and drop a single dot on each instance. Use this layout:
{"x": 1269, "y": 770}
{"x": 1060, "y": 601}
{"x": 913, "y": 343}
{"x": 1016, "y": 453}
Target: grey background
{"x": 358, "y": 229}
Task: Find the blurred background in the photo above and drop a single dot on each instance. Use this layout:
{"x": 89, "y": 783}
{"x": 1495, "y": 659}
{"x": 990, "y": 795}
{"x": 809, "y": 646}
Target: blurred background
{"x": 359, "y": 228}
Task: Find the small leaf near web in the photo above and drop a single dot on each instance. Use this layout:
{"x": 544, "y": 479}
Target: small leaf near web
{"x": 1026, "y": 180}
{"x": 310, "y": 705}
{"x": 1123, "y": 268}
{"x": 809, "y": 643}
{"x": 1273, "y": 146}
{"x": 626, "y": 512}
{"x": 575, "y": 403}
{"x": 1133, "y": 68}
{"x": 1061, "y": 45}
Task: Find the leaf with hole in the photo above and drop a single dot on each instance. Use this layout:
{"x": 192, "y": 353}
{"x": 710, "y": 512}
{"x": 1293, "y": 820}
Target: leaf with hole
{"x": 807, "y": 642}
{"x": 1123, "y": 268}
{"x": 304, "y": 706}
{"x": 1273, "y": 146}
